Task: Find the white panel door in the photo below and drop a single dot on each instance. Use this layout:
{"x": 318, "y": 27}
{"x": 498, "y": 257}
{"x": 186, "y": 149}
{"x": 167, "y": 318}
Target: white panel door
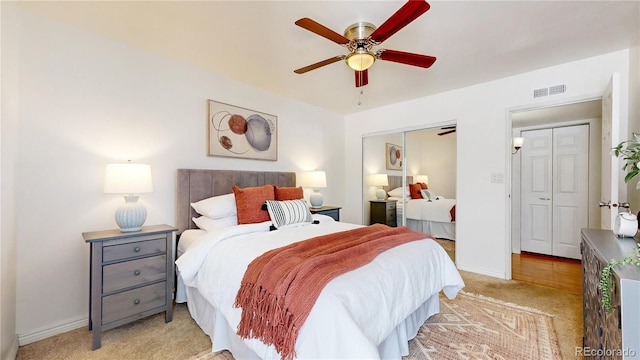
{"x": 536, "y": 175}
{"x": 555, "y": 183}
{"x": 610, "y": 139}
{"x": 570, "y": 189}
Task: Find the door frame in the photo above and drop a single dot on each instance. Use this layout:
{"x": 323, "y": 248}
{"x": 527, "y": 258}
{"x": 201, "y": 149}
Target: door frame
{"x": 509, "y": 158}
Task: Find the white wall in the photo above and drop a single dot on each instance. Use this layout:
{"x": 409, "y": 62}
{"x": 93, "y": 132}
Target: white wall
{"x": 8, "y": 154}
{"x": 434, "y": 156}
{"x": 86, "y": 101}
{"x": 634, "y": 118}
{"x": 483, "y": 146}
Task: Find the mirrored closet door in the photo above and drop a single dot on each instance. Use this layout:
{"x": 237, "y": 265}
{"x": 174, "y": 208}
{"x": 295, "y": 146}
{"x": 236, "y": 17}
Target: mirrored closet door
{"x": 409, "y": 178}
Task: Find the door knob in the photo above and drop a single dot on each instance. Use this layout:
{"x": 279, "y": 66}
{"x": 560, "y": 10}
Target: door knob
{"x": 603, "y": 204}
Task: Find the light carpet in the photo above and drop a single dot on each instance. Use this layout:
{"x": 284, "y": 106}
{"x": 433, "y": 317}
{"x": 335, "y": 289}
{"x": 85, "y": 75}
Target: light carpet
{"x": 474, "y": 327}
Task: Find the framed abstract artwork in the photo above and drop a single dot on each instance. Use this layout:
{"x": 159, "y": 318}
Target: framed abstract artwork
{"x": 394, "y": 156}
{"x": 237, "y": 132}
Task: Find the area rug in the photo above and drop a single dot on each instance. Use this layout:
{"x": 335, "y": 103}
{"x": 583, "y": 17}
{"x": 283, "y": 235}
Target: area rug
{"x": 474, "y": 327}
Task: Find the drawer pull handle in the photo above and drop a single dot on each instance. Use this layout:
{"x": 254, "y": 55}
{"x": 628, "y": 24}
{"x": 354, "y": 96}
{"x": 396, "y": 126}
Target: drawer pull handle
{"x": 136, "y": 273}
{"x": 137, "y": 249}
{"x": 136, "y": 301}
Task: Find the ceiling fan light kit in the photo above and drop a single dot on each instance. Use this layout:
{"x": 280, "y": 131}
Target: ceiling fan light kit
{"x": 361, "y": 37}
{"x": 360, "y": 60}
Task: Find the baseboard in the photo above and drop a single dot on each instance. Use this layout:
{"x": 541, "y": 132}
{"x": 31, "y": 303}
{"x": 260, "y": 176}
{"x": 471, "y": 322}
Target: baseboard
{"x": 28, "y": 338}
{"x": 481, "y": 271}
{"x": 13, "y": 351}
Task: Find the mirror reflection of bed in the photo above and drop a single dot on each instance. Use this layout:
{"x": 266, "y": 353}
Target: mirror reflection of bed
{"x": 431, "y": 213}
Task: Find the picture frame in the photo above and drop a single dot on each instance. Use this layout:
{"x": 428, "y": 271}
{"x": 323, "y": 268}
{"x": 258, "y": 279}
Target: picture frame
{"x": 393, "y": 156}
{"x": 237, "y": 132}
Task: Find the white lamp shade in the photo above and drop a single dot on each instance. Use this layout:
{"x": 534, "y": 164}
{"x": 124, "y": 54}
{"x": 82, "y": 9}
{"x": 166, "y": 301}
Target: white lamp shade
{"x": 422, "y": 179}
{"x": 517, "y": 142}
{"x": 128, "y": 178}
{"x": 379, "y": 180}
{"x": 314, "y": 179}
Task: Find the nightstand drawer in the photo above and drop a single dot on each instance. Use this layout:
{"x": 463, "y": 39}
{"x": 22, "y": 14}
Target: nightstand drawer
{"x": 131, "y": 273}
{"x": 136, "y": 301}
{"x": 391, "y": 215}
{"x": 134, "y": 249}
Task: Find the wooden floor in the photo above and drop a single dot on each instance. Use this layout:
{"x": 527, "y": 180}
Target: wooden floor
{"x": 555, "y": 272}
{"x": 551, "y": 271}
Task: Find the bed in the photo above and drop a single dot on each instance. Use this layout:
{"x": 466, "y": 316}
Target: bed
{"x": 369, "y": 312}
{"x": 435, "y": 216}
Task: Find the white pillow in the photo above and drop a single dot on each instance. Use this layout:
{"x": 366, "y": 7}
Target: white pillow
{"x": 216, "y": 207}
{"x": 397, "y": 192}
{"x": 288, "y": 212}
{"x": 209, "y": 224}
{"x": 427, "y": 194}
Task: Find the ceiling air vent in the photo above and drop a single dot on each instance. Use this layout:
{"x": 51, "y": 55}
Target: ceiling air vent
{"x": 558, "y": 89}
{"x": 540, "y": 92}
{"x": 553, "y": 90}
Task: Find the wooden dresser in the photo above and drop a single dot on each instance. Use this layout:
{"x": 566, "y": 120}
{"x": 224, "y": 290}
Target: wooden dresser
{"x": 131, "y": 276}
{"x": 383, "y": 212}
{"x": 613, "y": 335}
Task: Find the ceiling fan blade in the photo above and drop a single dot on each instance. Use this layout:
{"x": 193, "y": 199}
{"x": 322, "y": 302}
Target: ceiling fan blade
{"x": 362, "y": 78}
{"x": 402, "y": 57}
{"x": 322, "y": 30}
{"x": 401, "y": 18}
{"x": 319, "y": 64}
{"x": 447, "y": 132}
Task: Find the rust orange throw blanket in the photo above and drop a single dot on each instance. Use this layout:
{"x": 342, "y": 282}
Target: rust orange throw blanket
{"x": 281, "y": 286}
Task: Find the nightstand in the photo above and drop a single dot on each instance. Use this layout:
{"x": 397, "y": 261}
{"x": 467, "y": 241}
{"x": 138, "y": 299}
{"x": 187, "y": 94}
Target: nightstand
{"x": 332, "y": 211}
{"x": 131, "y": 276}
{"x": 383, "y": 212}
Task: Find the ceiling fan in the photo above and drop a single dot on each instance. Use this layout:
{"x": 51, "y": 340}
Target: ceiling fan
{"x": 447, "y": 130}
{"x": 361, "y": 37}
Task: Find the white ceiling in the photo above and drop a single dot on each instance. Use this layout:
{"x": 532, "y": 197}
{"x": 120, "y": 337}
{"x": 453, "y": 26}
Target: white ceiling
{"x": 257, "y": 42}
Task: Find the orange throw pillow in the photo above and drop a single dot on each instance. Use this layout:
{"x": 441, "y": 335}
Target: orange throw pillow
{"x": 249, "y": 203}
{"x": 414, "y": 190}
{"x": 423, "y": 186}
{"x": 289, "y": 193}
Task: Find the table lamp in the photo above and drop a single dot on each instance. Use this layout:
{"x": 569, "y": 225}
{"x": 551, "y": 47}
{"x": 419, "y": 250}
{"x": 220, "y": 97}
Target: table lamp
{"x": 315, "y": 180}
{"x": 129, "y": 179}
{"x": 380, "y": 180}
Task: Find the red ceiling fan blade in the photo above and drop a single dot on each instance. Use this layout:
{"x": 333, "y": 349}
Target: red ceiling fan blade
{"x": 322, "y": 30}
{"x": 401, "y": 18}
{"x": 319, "y": 64}
{"x": 402, "y": 57}
{"x": 362, "y": 78}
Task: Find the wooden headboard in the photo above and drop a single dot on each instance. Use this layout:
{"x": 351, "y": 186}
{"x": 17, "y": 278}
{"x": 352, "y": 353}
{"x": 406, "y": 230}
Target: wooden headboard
{"x": 195, "y": 185}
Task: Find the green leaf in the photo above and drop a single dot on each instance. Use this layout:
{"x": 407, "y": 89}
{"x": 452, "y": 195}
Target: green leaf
{"x": 630, "y": 175}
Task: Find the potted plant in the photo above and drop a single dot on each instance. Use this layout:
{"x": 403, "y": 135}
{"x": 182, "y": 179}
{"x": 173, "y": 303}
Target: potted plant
{"x": 629, "y": 152}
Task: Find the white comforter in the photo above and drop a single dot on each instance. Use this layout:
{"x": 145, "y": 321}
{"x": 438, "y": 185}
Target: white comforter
{"x": 423, "y": 209}
{"x": 353, "y": 314}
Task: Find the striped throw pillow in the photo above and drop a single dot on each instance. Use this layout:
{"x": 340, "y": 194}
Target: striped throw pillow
{"x": 288, "y": 212}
